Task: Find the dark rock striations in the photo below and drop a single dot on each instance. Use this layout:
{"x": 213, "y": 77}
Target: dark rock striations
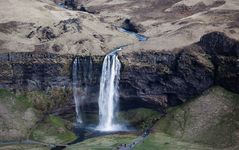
{"x": 224, "y": 54}
{"x": 155, "y": 79}
{"x": 168, "y": 78}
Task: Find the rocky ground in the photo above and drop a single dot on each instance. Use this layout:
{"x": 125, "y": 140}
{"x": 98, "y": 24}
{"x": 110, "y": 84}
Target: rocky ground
{"x": 170, "y": 24}
{"x": 42, "y": 26}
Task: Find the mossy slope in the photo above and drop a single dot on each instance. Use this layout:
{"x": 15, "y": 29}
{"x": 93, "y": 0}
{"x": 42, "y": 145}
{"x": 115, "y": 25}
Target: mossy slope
{"x": 16, "y": 116}
{"x": 21, "y": 116}
{"x": 53, "y": 130}
{"x": 210, "y": 120}
{"x": 103, "y": 143}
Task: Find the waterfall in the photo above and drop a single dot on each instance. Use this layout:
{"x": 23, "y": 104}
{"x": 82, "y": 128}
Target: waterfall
{"x": 81, "y": 76}
{"x": 109, "y": 96}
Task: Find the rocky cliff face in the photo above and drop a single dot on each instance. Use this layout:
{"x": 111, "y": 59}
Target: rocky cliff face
{"x": 166, "y": 78}
{"x": 224, "y": 53}
{"x": 31, "y": 73}
{"x": 156, "y": 78}
{"x": 38, "y": 71}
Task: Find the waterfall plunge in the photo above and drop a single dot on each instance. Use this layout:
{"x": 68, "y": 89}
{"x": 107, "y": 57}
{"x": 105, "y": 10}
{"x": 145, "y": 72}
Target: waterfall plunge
{"x": 109, "y": 96}
{"x": 81, "y": 76}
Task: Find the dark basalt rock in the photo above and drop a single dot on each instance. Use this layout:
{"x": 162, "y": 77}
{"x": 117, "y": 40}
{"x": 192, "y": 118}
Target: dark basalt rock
{"x": 47, "y": 69}
{"x": 131, "y": 26}
{"x": 57, "y": 47}
{"x": 44, "y": 34}
{"x": 166, "y": 78}
{"x": 88, "y": 10}
{"x": 224, "y": 54}
{"x": 218, "y": 44}
{"x": 154, "y": 79}
{"x": 70, "y": 25}
{"x": 169, "y": 78}
{"x": 71, "y": 4}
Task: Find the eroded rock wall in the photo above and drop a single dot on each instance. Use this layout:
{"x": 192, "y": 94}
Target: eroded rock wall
{"x": 168, "y": 78}
{"x": 154, "y": 78}
{"x": 50, "y": 74}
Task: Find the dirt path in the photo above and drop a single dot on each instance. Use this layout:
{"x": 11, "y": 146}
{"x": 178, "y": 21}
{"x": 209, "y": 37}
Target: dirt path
{"x": 136, "y": 141}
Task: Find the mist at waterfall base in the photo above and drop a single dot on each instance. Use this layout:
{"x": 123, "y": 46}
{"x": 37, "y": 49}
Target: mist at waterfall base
{"x": 109, "y": 94}
{"x": 109, "y": 89}
{"x": 108, "y": 100}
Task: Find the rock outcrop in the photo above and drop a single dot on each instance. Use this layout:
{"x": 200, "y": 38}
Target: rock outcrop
{"x": 154, "y": 78}
{"x": 224, "y": 54}
{"x": 38, "y": 71}
{"x": 33, "y": 73}
{"x": 131, "y": 26}
{"x": 168, "y": 78}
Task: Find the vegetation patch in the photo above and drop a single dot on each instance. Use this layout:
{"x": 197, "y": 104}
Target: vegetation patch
{"x": 53, "y": 130}
{"x": 162, "y": 141}
{"x": 23, "y": 147}
{"x": 103, "y": 143}
{"x": 207, "y": 122}
{"x": 16, "y": 101}
{"x": 141, "y": 118}
{"x": 17, "y": 116}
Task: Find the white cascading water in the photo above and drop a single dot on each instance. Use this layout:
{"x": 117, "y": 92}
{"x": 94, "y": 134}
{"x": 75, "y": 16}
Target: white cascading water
{"x": 76, "y": 89}
{"x": 81, "y": 76}
{"x": 108, "y": 96}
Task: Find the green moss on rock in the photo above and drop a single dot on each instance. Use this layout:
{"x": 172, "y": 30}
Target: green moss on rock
{"x": 17, "y": 116}
{"x": 53, "y": 130}
{"x": 46, "y": 101}
{"x": 17, "y": 101}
